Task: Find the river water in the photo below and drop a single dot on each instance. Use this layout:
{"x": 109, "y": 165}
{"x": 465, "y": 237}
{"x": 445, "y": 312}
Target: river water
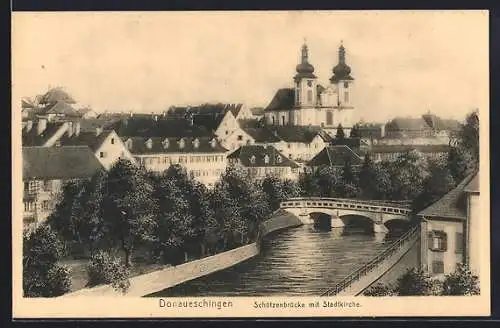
{"x": 300, "y": 262}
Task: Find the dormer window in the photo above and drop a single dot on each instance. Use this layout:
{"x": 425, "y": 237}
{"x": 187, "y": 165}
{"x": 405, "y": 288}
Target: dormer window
{"x": 196, "y": 143}
{"x": 252, "y": 159}
{"x": 166, "y": 143}
{"x": 181, "y": 143}
{"x": 278, "y": 159}
{"x": 266, "y": 159}
{"x": 213, "y": 143}
{"x": 149, "y": 143}
{"x": 129, "y": 144}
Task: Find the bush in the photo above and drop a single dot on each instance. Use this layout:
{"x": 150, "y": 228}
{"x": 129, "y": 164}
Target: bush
{"x": 104, "y": 268}
{"x": 461, "y": 282}
{"x": 43, "y": 276}
{"x": 379, "y": 290}
{"x": 414, "y": 282}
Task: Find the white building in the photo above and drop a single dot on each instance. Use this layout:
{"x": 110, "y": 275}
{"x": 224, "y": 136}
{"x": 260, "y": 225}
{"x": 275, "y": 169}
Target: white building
{"x": 203, "y": 158}
{"x": 309, "y": 103}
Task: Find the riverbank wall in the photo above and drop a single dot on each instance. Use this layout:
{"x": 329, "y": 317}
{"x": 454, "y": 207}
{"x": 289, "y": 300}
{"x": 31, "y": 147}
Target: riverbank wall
{"x": 159, "y": 280}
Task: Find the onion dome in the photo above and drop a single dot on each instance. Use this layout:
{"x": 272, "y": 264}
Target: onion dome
{"x": 304, "y": 69}
{"x": 342, "y": 71}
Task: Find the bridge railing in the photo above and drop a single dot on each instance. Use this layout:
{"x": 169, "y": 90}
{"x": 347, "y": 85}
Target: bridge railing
{"x": 346, "y": 204}
{"x": 370, "y": 266}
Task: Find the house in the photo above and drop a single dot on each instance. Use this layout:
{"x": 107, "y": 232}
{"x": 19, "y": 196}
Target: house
{"x": 203, "y": 157}
{"x": 450, "y": 232}
{"x": 407, "y": 127}
{"x": 260, "y": 161}
{"x": 392, "y": 152}
{"x": 106, "y": 145}
{"x": 45, "y": 169}
{"x": 298, "y": 143}
{"x": 335, "y": 156}
{"x": 87, "y": 113}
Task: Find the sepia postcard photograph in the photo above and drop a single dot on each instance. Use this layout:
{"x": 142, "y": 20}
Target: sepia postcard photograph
{"x": 219, "y": 164}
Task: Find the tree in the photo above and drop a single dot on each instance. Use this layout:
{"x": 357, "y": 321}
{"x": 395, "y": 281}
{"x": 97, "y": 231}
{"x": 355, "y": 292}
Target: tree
{"x": 104, "y": 268}
{"x": 459, "y": 163}
{"x": 43, "y": 276}
{"x": 413, "y": 282}
{"x": 435, "y": 186}
{"x": 308, "y": 184}
{"x": 368, "y": 179}
{"x": 461, "y": 282}
{"x": 468, "y": 136}
{"x": 355, "y": 133}
{"x": 348, "y": 186}
{"x": 330, "y": 181}
{"x": 129, "y": 208}
{"x": 340, "y": 132}
{"x": 408, "y": 173}
{"x": 274, "y": 191}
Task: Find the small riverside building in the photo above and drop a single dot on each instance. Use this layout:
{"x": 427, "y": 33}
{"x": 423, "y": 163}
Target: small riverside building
{"x": 260, "y": 161}
{"x": 450, "y": 230}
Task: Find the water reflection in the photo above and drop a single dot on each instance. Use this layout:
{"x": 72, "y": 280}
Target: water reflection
{"x": 300, "y": 261}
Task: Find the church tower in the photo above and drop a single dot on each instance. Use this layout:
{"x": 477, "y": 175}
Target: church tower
{"x": 342, "y": 82}
{"x": 305, "y": 91}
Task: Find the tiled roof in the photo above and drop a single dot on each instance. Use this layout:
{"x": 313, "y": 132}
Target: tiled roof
{"x": 451, "y": 205}
{"x": 336, "y": 156}
{"x": 284, "y": 99}
{"x": 147, "y": 127}
{"x": 61, "y": 107}
{"x": 257, "y": 110}
{"x": 208, "y": 116}
{"x": 32, "y": 138}
{"x": 438, "y": 123}
{"x": 407, "y": 148}
{"x": 407, "y": 124}
{"x": 289, "y": 133}
{"x": 139, "y": 145}
{"x": 91, "y": 124}
{"x": 473, "y": 185}
{"x": 59, "y": 162}
{"x": 87, "y": 138}
{"x": 370, "y": 131}
{"x": 276, "y": 159}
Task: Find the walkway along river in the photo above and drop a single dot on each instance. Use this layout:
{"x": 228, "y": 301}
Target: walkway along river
{"x": 301, "y": 261}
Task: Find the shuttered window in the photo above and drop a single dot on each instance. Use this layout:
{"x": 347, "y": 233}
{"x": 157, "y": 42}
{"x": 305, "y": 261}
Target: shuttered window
{"x": 437, "y": 241}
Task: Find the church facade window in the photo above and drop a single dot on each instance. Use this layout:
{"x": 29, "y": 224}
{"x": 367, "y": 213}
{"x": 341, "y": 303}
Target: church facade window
{"x": 309, "y": 96}
{"x": 329, "y": 118}
{"x": 346, "y": 96}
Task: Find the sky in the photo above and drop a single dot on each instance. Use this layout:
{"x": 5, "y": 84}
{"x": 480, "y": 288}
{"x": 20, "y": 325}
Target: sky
{"x": 404, "y": 63}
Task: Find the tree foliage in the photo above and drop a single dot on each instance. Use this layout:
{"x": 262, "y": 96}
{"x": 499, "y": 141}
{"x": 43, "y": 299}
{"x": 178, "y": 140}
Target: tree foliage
{"x": 414, "y": 282}
{"x": 104, "y": 268}
{"x": 43, "y": 275}
{"x": 340, "y": 132}
{"x": 461, "y": 282}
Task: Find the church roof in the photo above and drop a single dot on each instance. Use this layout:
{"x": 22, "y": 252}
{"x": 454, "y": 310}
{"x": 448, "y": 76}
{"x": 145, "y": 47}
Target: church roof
{"x": 284, "y": 99}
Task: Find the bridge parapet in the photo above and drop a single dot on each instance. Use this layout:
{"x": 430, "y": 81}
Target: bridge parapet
{"x": 343, "y": 203}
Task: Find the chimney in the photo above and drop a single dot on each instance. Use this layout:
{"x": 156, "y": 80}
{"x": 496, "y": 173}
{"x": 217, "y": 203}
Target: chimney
{"x": 29, "y": 125}
{"x": 76, "y": 129}
{"x": 70, "y": 129}
{"x": 131, "y": 114}
{"x": 41, "y": 126}
{"x": 382, "y": 130}
{"x": 98, "y": 130}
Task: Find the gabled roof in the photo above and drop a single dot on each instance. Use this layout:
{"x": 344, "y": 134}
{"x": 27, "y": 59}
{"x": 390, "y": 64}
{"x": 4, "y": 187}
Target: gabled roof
{"x": 139, "y": 145}
{"x": 335, "y": 156}
{"x": 32, "y": 138}
{"x": 452, "y": 205}
{"x": 245, "y": 153}
{"x": 407, "y": 124}
{"x": 163, "y": 127}
{"x": 51, "y": 163}
{"x": 284, "y": 99}
{"x": 87, "y": 138}
{"x": 295, "y": 133}
{"x": 61, "y": 107}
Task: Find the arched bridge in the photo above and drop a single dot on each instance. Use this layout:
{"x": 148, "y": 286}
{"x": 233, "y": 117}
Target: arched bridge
{"x": 312, "y": 210}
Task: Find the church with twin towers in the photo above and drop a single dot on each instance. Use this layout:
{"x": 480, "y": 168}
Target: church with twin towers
{"x": 309, "y": 103}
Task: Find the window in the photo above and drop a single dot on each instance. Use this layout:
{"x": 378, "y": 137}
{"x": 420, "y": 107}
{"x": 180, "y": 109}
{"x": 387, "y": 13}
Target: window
{"x": 346, "y": 85}
{"x": 227, "y": 132}
{"x": 329, "y": 118}
{"x": 45, "y": 205}
{"x": 459, "y": 243}
{"x": 196, "y": 143}
{"x": 102, "y": 154}
{"x": 437, "y": 241}
{"x": 437, "y": 267}
{"x": 288, "y": 146}
{"x": 294, "y": 170}
{"x": 266, "y": 159}
{"x": 240, "y": 137}
{"x": 33, "y": 187}
{"x": 181, "y": 143}
{"x": 346, "y": 96}
{"x": 309, "y": 83}
{"x": 47, "y": 185}
{"x": 252, "y": 159}
{"x": 278, "y": 159}
{"x": 112, "y": 141}
{"x": 309, "y": 96}
{"x": 283, "y": 120}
